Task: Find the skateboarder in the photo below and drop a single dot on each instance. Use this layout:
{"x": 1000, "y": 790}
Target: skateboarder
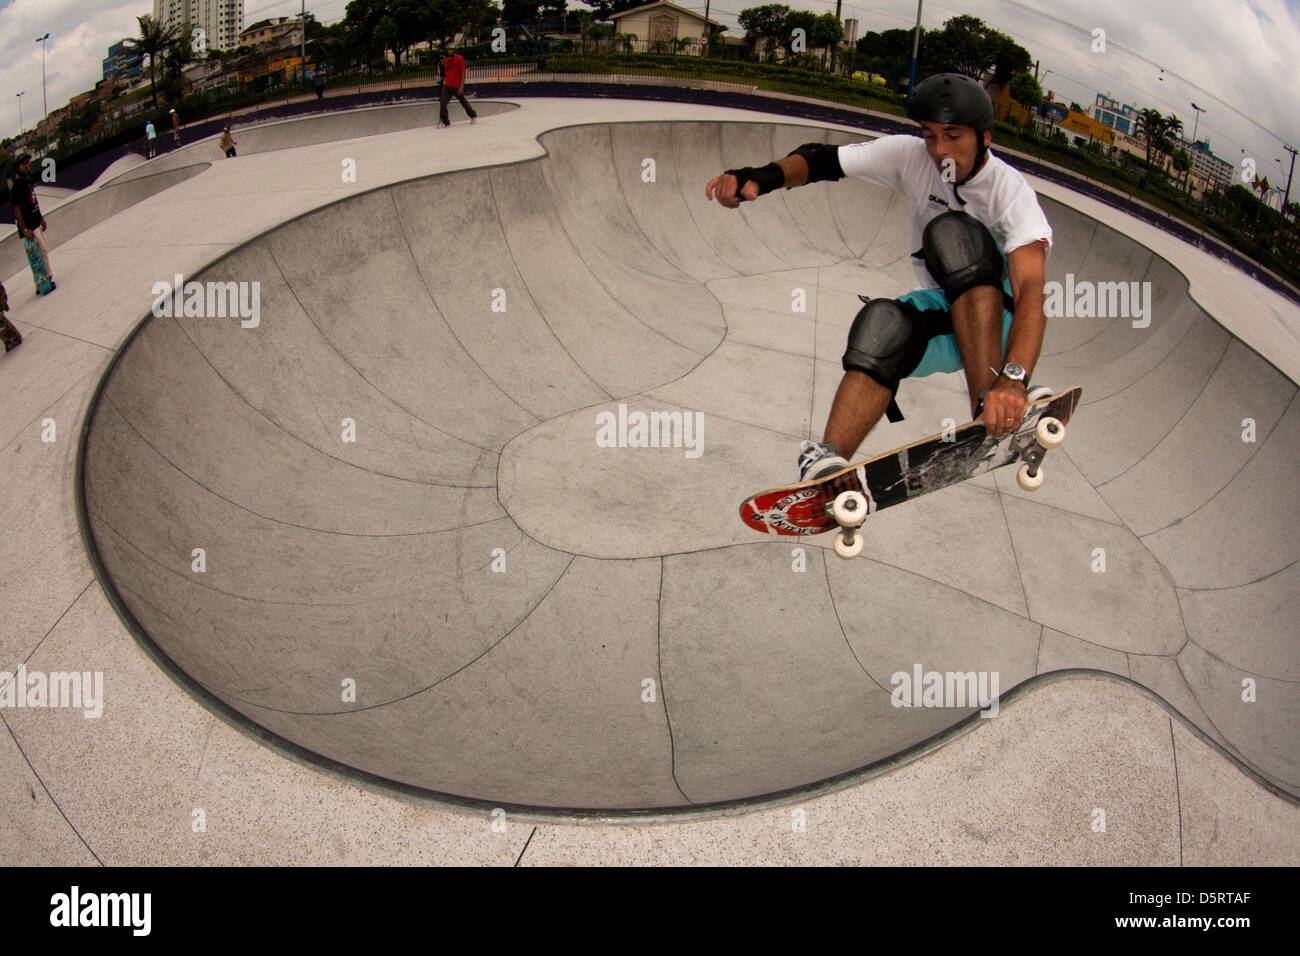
{"x": 452, "y": 69}
{"x": 228, "y": 143}
{"x": 27, "y": 211}
{"x": 982, "y": 242}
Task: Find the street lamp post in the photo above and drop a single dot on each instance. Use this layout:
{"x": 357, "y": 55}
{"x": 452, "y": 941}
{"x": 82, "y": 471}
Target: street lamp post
{"x": 916, "y": 44}
{"x": 1281, "y": 216}
{"x": 45, "y": 106}
{"x": 1287, "y": 198}
{"x": 20, "y": 112}
{"x": 1051, "y": 121}
{"x": 1195, "y": 124}
{"x": 302, "y": 61}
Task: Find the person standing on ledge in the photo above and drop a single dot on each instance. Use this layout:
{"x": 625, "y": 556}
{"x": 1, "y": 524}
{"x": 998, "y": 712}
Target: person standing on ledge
{"x": 27, "y": 211}
{"x": 452, "y": 69}
{"x": 974, "y": 221}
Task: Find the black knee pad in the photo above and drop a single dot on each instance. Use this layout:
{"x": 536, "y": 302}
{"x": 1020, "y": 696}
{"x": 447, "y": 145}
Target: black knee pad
{"x": 961, "y": 254}
{"x": 885, "y": 342}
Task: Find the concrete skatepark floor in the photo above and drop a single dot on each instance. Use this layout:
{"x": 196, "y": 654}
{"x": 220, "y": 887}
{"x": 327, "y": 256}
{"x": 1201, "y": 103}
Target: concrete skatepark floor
{"x": 531, "y": 619}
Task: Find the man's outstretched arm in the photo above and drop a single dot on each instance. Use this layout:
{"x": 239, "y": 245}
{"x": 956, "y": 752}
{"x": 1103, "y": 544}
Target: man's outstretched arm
{"x": 812, "y": 162}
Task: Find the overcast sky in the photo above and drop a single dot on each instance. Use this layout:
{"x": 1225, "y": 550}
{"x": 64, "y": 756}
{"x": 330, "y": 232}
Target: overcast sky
{"x": 1236, "y": 58}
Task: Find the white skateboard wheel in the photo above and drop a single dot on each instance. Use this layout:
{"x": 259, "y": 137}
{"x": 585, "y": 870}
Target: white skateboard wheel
{"x": 849, "y": 508}
{"x": 848, "y": 551}
{"x": 1049, "y": 433}
{"x": 1028, "y": 482}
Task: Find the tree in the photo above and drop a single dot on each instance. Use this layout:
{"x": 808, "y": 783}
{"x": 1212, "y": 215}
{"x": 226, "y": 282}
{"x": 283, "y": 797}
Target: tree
{"x": 1147, "y": 125}
{"x": 151, "y": 43}
{"x": 1024, "y": 89}
{"x": 888, "y": 53}
{"x": 605, "y": 9}
{"x": 1182, "y": 161}
{"x": 804, "y": 20}
{"x": 827, "y": 32}
{"x": 767, "y": 22}
{"x": 1010, "y": 59}
{"x": 553, "y": 11}
{"x": 521, "y": 11}
{"x": 179, "y": 53}
{"x": 1170, "y": 127}
{"x": 968, "y": 46}
{"x": 363, "y": 18}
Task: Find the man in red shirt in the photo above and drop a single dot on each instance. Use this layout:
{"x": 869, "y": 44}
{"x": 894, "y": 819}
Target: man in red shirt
{"x": 452, "y": 69}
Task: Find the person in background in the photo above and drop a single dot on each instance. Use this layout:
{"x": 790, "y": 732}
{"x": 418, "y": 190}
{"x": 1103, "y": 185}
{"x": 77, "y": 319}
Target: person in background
{"x": 150, "y": 140}
{"x": 11, "y": 337}
{"x": 228, "y": 143}
{"x": 452, "y": 69}
{"x": 27, "y": 210}
{"x": 176, "y": 130}
{"x": 318, "y": 81}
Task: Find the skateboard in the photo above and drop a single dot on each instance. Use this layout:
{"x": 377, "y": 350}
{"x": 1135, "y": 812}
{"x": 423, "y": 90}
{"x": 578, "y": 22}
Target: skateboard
{"x": 844, "y": 499}
{"x": 44, "y": 285}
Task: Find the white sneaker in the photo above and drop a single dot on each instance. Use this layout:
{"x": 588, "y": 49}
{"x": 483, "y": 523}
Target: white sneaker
{"x": 1039, "y": 392}
{"x": 817, "y": 459}
{"x": 473, "y": 120}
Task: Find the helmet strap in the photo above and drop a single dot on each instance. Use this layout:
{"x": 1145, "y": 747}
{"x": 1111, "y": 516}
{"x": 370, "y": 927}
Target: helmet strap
{"x": 980, "y": 155}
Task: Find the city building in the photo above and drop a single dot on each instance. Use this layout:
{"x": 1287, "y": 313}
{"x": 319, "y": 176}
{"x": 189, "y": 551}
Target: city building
{"x": 1117, "y": 115}
{"x": 220, "y": 20}
{"x": 1208, "y": 172}
{"x": 121, "y": 61}
{"x": 661, "y": 24}
{"x": 280, "y": 31}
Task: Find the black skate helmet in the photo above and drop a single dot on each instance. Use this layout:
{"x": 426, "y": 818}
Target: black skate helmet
{"x": 951, "y": 98}
{"x": 957, "y": 99}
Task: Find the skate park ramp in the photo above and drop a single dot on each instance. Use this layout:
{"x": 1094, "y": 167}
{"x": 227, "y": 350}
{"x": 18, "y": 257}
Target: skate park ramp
{"x": 390, "y": 527}
{"x": 88, "y": 208}
{"x": 304, "y": 131}
{"x": 133, "y": 179}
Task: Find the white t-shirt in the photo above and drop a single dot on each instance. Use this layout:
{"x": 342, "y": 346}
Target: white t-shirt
{"x": 997, "y": 195}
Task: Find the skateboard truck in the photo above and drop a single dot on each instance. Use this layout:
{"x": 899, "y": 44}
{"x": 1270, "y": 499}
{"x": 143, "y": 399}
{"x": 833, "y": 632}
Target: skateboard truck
{"x": 849, "y": 509}
{"x": 1048, "y": 434}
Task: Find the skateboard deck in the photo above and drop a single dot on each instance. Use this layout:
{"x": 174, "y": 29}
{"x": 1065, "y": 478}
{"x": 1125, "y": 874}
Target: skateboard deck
{"x": 902, "y": 474}
{"x": 37, "y": 261}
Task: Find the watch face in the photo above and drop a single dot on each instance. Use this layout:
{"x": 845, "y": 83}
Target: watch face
{"x": 1014, "y": 371}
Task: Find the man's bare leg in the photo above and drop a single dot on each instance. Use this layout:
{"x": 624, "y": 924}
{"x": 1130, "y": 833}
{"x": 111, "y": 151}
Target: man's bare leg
{"x": 977, "y": 326}
{"x": 859, "y": 403}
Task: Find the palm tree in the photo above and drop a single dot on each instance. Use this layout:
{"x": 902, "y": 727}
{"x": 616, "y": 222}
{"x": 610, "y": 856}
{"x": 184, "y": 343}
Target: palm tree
{"x": 1148, "y": 126}
{"x": 152, "y": 41}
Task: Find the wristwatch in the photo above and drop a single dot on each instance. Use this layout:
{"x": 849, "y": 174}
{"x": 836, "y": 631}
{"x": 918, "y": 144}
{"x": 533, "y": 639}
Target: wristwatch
{"x": 1016, "y": 373}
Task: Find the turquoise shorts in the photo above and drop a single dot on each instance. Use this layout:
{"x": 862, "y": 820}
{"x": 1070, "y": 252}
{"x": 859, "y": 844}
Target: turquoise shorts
{"x": 942, "y": 354}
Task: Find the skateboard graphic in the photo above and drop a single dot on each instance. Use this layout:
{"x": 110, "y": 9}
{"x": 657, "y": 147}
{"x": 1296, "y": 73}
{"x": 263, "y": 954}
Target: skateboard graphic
{"x": 44, "y": 285}
{"x": 844, "y": 499}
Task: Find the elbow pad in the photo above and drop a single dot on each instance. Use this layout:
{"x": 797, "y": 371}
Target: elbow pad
{"x": 823, "y": 161}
